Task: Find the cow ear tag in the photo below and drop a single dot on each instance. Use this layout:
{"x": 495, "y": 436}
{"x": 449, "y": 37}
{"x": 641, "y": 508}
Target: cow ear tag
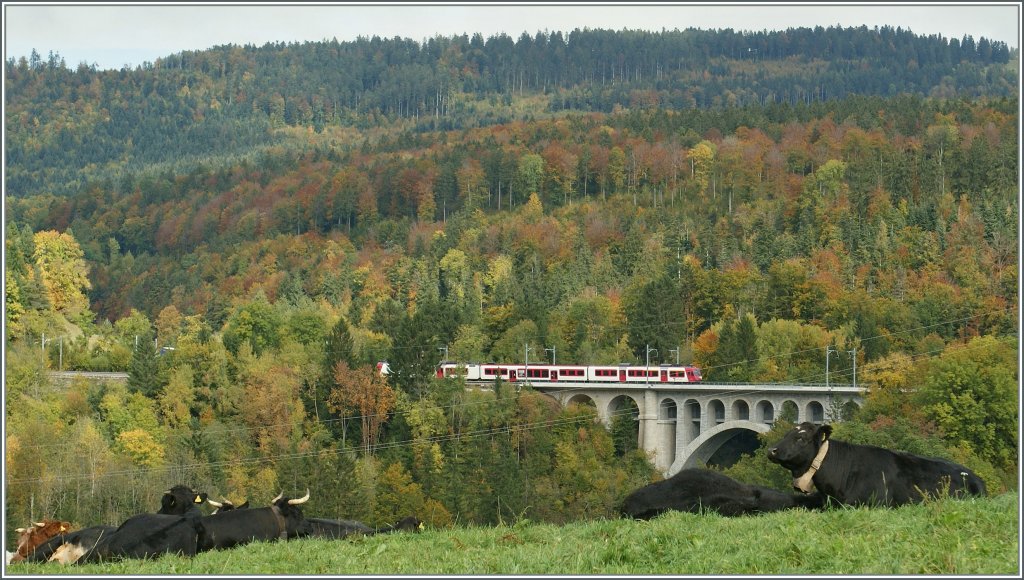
{"x": 197, "y": 500}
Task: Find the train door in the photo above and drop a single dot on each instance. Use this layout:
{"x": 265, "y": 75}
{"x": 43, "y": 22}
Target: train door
{"x": 554, "y": 374}
{"x": 622, "y": 375}
{"x": 664, "y": 376}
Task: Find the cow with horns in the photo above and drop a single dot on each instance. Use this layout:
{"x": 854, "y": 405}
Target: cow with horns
{"x": 34, "y": 536}
{"x": 282, "y": 520}
{"x": 225, "y": 505}
{"x": 857, "y": 475}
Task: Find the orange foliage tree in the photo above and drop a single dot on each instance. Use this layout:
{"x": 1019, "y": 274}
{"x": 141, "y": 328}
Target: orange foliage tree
{"x": 365, "y": 391}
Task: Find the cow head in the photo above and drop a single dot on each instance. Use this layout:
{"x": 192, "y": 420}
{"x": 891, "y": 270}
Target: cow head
{"x": 225, "y": 505}
{"x": 180, "y": 499}
{"x": 288, "y": 508}
{"x": 797, "y": 449}
{"x": 409, "y": 524}
{"x": 30, "y": 538}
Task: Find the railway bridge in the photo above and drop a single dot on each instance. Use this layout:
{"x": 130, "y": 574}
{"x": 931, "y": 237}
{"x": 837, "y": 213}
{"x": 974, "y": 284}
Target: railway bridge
{"x": 686, "y": 425}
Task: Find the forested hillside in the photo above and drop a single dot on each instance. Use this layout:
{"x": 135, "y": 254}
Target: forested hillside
{"x": 247, "y": 231}
{"x": 66, "y": 126}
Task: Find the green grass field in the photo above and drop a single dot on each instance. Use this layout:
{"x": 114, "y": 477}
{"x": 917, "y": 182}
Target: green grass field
{"x": 941, "y": 537}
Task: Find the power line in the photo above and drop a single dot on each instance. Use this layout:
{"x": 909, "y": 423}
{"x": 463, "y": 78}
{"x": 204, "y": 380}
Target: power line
{"x": 509, "y": 429}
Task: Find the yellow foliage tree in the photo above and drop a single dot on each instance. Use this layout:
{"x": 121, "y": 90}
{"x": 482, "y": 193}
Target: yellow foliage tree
{"x": 65, "y": 273}
{"x": 141, "y": 447}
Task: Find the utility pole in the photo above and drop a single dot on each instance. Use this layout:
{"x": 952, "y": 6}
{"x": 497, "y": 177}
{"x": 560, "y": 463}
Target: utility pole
{"x": 649, "y": 351}
{"x": 831, "y": 399}
{"x": 647, "y": 376}
{"x": 445, "y": 349}
{"x": 828, "y": 350}
{"x": 853, "y": 354}
{"x": 552, "y": 351}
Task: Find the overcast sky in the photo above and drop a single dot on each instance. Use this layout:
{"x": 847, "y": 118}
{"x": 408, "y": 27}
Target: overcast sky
{"x": 112, "y": 36}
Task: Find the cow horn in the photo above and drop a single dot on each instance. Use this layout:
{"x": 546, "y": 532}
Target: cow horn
{"x": 302, "y": 499}
{"x": 20, "y": 530}
{"x": 279, "y": 496}
{"x": 214, "y": 503}
{"x": 41, "y": 524}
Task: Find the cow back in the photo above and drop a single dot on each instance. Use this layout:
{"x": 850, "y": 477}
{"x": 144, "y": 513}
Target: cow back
{"x": 699, "y": 490}
{"x": 147, "y": 536}
{"x": 328, "y": 528}
{"x": 231, "y": 528}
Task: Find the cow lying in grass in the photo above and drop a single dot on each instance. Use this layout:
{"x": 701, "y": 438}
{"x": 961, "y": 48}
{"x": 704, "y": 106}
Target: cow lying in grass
{"x": 34, "y": 536}
{"x": 172, "y": 530}
{"x": 328, "y": 528}
{"x": 856, "y": 475}
{"x": 282, "y": 519}
{"x": 699, "y": 490}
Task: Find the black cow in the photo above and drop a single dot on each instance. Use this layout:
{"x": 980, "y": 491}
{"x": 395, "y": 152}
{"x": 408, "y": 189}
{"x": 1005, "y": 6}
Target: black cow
{"x": 171, "y": 530}
{"x": 856, "y": 475}
{"x": 69, "y": 548}
{"x": 694, "y": 490}
{"x": 283, "y": 519}
{"x": 328, "y": 528}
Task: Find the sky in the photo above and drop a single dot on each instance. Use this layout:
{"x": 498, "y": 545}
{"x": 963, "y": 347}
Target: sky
{"x": 112, "y": 36}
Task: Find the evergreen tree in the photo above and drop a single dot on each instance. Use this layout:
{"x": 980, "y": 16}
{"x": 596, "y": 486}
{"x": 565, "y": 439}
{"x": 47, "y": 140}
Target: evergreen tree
{"x": 144, "y": 374}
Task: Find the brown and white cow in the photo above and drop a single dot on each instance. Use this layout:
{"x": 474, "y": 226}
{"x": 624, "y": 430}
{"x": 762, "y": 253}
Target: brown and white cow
{"x": 35, "y": 535}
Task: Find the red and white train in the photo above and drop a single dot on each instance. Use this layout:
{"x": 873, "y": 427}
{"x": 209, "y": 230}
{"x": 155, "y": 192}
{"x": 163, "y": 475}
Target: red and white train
{"x": 548, "y": 374}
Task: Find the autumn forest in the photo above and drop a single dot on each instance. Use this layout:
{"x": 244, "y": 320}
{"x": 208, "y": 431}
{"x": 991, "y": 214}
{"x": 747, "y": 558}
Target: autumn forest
{"x": 246, "y": 231}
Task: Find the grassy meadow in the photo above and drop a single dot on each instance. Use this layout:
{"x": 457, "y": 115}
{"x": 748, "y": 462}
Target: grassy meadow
{"x": 979, "y": 536}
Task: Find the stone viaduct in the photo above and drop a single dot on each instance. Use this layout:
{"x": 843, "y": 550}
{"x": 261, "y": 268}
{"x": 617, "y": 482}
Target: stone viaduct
{"x": 683, "y": 426}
